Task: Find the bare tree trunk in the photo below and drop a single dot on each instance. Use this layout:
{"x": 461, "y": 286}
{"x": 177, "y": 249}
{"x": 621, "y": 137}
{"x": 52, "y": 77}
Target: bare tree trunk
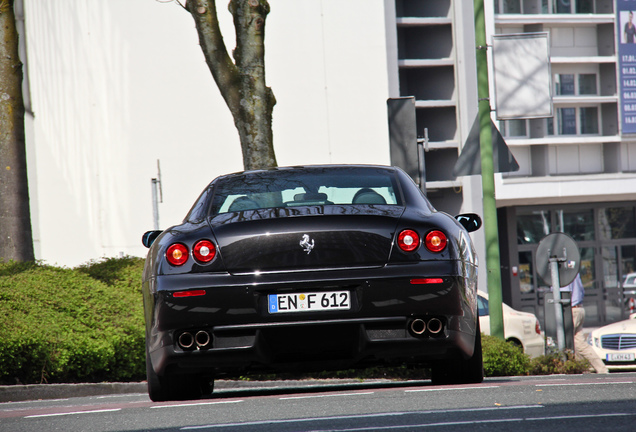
{"x": 242, "y": 84}
{"x": 16, "y": 240}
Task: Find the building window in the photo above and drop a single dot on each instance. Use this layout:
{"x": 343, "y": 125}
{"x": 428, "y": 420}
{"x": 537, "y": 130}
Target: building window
{"x": 563, "y": 6}
{"x": 587, "y": 269}
{"x": 584, "y": 6}
{"x": 532, "y": 226}
{"x": 575, "y": 84}
{"x": 508, "y": 6}
{"x": 567, "y": 6}
{"x": 587, "y": 84}
{"x": 526, "y": 273}
{"x": 578, "y": 224}
{"x": 564, "y": 84}
{"x": 628, "y": 260}
{"x": 566, "y": 120}
{"x": 547, "y": 7}
{"x": 514, "y": 128}
{"x": 588, "y": 120}
{"x": 574, "y": 121}
{"x": 617, "y": 223}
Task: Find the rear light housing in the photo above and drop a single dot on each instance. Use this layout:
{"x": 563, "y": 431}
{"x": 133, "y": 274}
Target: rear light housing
{"x": 177, "y": 254}
{"x": 204, "y": 251}
{"x": 435, "y": 241}
{"x": 408, "y": 240}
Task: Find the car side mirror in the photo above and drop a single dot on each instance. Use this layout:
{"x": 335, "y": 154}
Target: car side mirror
{"x": 470, "y": 221}
{"x": 149, "y": 237}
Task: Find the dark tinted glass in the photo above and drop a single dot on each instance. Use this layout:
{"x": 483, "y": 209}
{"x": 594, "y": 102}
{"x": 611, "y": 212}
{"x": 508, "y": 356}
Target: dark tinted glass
{"x": 305, "y": 186}
{"x": 617, "y": 223}
{"x": 532, "y": 227}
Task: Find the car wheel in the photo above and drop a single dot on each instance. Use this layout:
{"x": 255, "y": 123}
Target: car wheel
{"x": 460, "y": 371}
{"x": 175, "y": 387}
{"x": 516, "y": 342}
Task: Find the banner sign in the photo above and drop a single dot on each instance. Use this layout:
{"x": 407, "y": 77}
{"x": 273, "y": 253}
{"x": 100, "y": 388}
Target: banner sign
{"x": 521, "y": 65}
{"x": 626, "y": 29}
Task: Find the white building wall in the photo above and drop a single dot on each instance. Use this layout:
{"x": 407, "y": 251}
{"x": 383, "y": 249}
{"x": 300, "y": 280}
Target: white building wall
{"x": 117, "y": 85}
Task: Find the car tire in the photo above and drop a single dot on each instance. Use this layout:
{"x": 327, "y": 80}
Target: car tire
{"x": 460, "y": 371}
{"x": 175, "y": 387}
{"x": 515, "y": 342}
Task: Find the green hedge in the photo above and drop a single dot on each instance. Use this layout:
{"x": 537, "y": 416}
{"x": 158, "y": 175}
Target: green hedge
{"x": 503, "y": 358}
{"x": 71, "y": 325}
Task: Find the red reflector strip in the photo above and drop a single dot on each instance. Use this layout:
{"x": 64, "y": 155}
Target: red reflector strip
{"x": 193, "y": 293}
{"x": 424, "y": 281}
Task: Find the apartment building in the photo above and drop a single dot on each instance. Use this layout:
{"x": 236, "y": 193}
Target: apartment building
{"x": 577, "y": 168}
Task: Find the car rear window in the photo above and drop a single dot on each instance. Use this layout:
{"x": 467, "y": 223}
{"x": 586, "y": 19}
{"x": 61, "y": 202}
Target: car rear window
{"x": 305, "y": 187}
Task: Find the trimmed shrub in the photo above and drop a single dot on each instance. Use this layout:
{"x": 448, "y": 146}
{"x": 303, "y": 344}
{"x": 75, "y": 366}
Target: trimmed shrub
{"x": 558, "y": 363}
{"x": 71, "y": 325}
{"x": 503, "y": 358}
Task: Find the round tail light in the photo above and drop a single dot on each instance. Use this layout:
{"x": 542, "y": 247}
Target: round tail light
{"x": 408, "y": 240}
{"x": 177, "y": 254}
{"x": 204, "y": 251}
{"x": 436, "y": 241}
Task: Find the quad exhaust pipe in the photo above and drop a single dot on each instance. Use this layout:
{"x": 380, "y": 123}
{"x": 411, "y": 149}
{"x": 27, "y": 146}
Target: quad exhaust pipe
{"x": 435, "y": 326}
{"x": 199, "y": 340}
{"x": 186, "y": 340}
{"x": 420, "y": 327}
{"x": 202, "y": 338}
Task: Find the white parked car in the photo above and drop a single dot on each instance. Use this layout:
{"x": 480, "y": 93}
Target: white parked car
{"x": 521, "y": 328}
{"x": 615, "y": 344}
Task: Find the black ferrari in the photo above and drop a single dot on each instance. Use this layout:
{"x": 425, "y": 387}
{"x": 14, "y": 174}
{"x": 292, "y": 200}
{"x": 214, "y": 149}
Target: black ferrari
{"x": 310, "y": 268}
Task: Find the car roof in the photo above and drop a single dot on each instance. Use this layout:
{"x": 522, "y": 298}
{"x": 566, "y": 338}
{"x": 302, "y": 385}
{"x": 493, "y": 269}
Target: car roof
{"x": 308, "y": 168}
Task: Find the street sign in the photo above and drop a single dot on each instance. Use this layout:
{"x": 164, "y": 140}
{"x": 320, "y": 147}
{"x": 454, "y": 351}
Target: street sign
{"x": 558, "y": 260}
{"x": 564, "y": 249}
{"x": 469, "y": 162}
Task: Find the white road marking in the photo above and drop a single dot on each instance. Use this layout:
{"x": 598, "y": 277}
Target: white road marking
{"x": 449, "y": 389}
{"x": 129, "y": 395}
{"x": 196, "y": 404}
{"x": 353, "y": 417}
{"x": 584, "y": 384}
{"x": 73, "y": 413}
{"x": 325, "y": 395}
{"x": 472, "y": 422}
{"x": 2, "y": 404}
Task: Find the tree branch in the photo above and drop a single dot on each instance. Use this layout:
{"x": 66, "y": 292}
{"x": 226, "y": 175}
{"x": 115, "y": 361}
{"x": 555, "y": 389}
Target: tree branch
{"x": 223, "y": 69}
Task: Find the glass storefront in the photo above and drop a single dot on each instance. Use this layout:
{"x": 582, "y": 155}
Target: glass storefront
{"x": 606, "y": 236}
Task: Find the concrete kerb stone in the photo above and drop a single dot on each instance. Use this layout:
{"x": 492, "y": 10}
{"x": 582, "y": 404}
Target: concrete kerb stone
{"x": 19, "y": 393}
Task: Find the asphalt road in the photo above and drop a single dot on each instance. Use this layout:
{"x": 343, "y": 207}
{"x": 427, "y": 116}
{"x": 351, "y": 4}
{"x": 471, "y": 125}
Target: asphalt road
{"x": 555, "y": 403}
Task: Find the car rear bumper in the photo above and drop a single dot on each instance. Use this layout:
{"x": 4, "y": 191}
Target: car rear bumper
{"x": 312, "y": 346}
{"x": 375, "y": 330}
{"x": 535, "y": 346}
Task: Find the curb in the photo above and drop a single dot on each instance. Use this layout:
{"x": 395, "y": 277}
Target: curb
{"x": 21, "y": 393}
{"x": 18, "y": 393}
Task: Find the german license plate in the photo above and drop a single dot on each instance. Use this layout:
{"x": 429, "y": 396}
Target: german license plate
{"x": 309, "y": 302}
{"x": 620, "y": 357}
